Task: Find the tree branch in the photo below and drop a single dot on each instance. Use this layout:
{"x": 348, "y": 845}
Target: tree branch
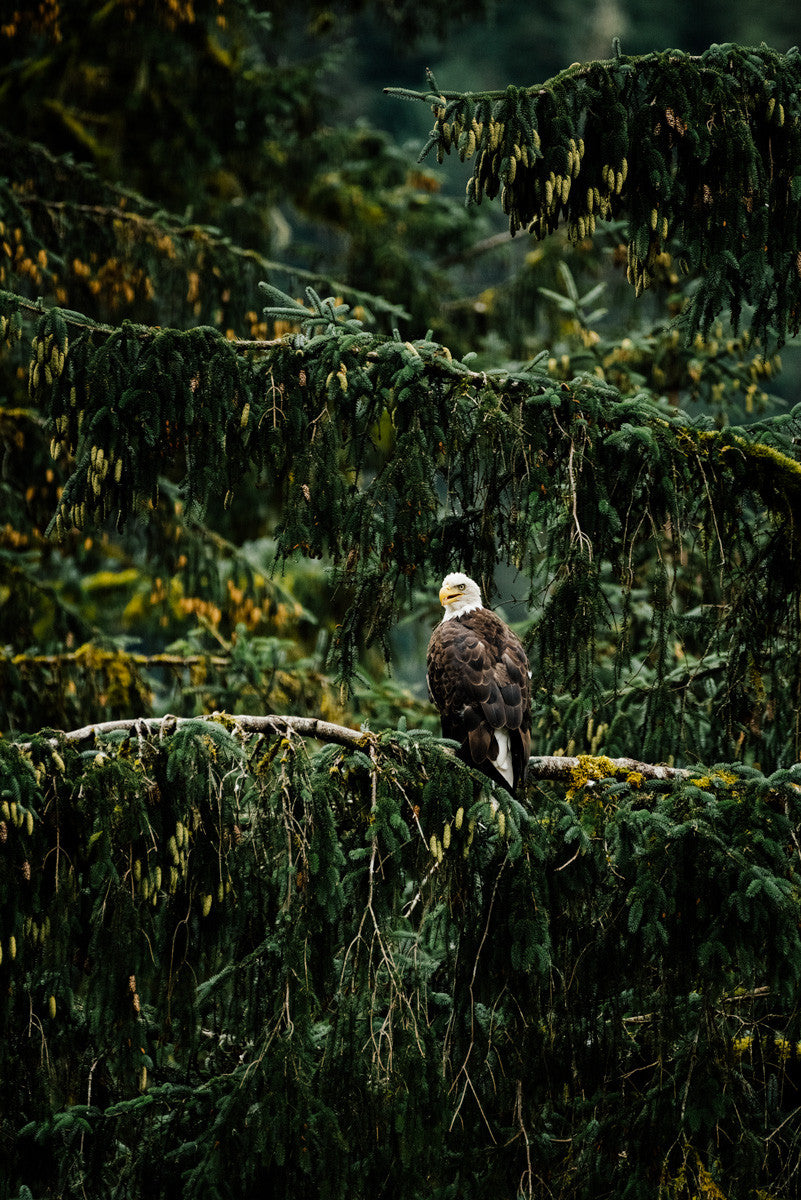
{"x": 312, "y": 727}
{"x": 540, "y": 767}
{"x": 565, "y": 769}
{"x": 139, "y": 660}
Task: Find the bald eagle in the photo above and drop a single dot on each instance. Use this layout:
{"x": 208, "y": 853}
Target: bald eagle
{"x": 479, "y": 679}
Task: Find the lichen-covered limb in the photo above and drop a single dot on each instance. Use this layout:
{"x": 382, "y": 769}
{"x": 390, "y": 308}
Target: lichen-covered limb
{"x": 593, "y": 768}
{"x": 541, "y": 767}
{"x": 324, "y": 731}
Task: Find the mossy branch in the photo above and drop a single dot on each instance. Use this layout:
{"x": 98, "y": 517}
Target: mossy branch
{"x": 311, "y": 727}
{"x": 541, "y": 768}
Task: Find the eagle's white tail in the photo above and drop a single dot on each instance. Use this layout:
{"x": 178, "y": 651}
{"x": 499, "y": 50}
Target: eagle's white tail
{"x": 503, "y": 763}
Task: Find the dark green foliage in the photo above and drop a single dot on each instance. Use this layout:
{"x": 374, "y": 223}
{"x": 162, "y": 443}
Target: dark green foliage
{"x": 175, "y": 99}
{"x": 248, "y": 966}
{"x": 118, "y": 254}
{"x": 393, "y": 461}
{"x": 238, "y": 966}
{"x": 700, "y": 153}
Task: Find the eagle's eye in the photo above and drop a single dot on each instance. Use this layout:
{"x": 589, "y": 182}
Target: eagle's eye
{"x": 460, "y": 587}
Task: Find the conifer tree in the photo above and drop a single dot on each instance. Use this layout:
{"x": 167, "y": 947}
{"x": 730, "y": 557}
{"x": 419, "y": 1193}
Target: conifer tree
{"x": 260, "y": 930}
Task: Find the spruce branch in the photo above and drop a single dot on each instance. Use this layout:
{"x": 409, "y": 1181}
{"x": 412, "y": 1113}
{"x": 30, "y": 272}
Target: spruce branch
{"x": 157, "y": 225}
{"x": 161, "y": 659}
{"x": 699, "y": 153}
{"x": 307, "y": 415}
{"x": 541, "y": 767}
{"x": 118, "y": 206}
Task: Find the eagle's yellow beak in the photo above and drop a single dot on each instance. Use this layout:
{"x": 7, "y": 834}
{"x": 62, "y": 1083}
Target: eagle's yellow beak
{"x": 446, "y": 595}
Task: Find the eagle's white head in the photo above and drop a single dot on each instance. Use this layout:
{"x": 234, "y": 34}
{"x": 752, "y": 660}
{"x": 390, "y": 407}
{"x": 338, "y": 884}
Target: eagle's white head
{"x": 459, "y": 595}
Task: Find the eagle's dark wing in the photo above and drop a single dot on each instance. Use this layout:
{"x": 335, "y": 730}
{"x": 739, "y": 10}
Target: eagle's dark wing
{"x": 478, "y": 678}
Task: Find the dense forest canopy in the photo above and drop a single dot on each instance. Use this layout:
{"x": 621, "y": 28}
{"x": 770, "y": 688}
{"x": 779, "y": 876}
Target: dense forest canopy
{"x": 265, "y": 378}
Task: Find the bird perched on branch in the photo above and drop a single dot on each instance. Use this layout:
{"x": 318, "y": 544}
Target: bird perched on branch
{"x": 479, "y": 679}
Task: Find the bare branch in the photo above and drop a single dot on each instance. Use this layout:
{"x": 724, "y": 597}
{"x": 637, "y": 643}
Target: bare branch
{"x": 324, "y": 731}
{"x": 540, "y": 767}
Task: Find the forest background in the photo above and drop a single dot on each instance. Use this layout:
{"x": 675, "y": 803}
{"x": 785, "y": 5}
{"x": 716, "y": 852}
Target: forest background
{"x": 299, "y": 956}
{"x": 336, "y": 192}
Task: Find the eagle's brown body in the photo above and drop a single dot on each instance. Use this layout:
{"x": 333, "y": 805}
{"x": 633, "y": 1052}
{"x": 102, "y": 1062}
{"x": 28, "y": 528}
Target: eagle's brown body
{"x": 478, "y": 677}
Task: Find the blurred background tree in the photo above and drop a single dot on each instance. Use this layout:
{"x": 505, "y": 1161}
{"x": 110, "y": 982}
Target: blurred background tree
{"x": 221, "y": 114}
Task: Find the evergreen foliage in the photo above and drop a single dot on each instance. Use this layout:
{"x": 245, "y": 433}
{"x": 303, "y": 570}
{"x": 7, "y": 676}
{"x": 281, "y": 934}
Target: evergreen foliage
{"x": 228, "y": 965}
{"x": 248, "y": 953}
{"x": 362, "y": 434}
{"x": 697, "y": 151}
